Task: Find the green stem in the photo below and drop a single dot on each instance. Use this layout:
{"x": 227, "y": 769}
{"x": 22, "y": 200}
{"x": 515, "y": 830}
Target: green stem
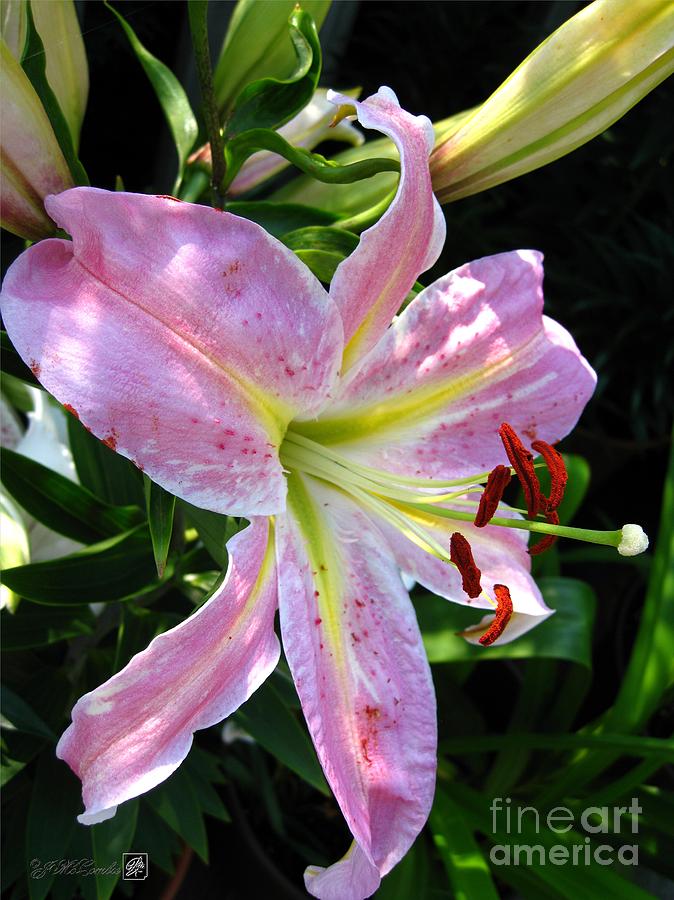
{"x": 608, "y": 538}
{"x": 197, "y": 10}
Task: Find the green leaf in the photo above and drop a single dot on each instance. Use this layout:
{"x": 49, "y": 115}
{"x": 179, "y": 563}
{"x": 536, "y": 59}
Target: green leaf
{"x": 60, "y": 503}
{"x": 214, "y": 530}
{"x": 17, "y": 712}
{"x": 175, "y": 802}
{"x": 105, "y": 473}
{"x": 110, "y": 570}
{"x": 271, "y": 102}
{"x": 38, "y": 626}
{"x": 202, "y": 773}
{"x": 34, "y": 64}
{"x": 565, "y": 635}
{"x": 583, "y": 881}
{"x": 160, "y": 510}
{"x": 266, "y": 717}
{"x": 245, "y": 144}
{"x": 279, "y": 218}
{"x": 109, "y": 840}
{"x": 156, "y": 838}
{"x": 410, "y": 877}
{"x": 54, "y": 805}
{"x": 257, "y": 45}
{"x": 464, "y": 863}
{"x": 578, "y": 470}
{"x": 629, "y": 745}
{"x": 650, "y": 671}
{"x": 321, "y": 249}
{"x": 172, "y": 98}
{"x": 333, "y": 240}
{"x": 12, "y": 363}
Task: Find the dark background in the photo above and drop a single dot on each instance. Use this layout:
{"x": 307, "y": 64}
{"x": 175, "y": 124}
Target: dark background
{"x": 602, "y": 216}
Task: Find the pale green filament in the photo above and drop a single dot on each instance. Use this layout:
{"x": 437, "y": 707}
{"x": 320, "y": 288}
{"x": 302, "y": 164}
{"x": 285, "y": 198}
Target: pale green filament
{"x": 375, "y": 488}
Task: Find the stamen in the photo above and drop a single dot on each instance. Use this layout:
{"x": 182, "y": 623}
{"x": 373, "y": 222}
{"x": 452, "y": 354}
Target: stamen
{"x": 498, "y": 481}
{"x": 462, "y": 557}
{"x": 558, "y": 474}
{"x": 522, "y": 462}
{"x": 553, "y": 519}
{"x": 504, "y": 611}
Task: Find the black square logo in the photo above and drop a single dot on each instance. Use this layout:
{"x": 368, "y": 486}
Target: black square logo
{"x": 134, "y": 866}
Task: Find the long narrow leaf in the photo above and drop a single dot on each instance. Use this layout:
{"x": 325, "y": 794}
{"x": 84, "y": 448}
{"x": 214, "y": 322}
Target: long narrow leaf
{"x": 34, "y": 64}
{"x": 160, "y": 510}
{"x": 172, "y": 98}
{"x": 110, "y": 570}
{"x": 60, "y": 503}
{"x": 464, "y": 863}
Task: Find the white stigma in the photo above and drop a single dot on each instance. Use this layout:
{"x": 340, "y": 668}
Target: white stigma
{"x": 634, "y": 540}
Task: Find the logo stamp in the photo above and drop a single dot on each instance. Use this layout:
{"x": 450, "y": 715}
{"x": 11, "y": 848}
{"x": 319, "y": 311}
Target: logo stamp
{"x": 134, "y": 866}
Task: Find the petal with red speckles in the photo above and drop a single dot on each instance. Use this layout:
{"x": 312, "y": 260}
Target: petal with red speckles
{"x": 471, "y": 351}
{"x": 354, "y": 648}
{"x": 500, "y": 554}
{"x": 370, "y": 285}
{"x": 183, "y": 337}
{"x": 133, "y": 731}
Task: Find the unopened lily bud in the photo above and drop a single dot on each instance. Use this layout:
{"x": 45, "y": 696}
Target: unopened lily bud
{"x": 66, "y": 62}
{"x": 579, "y": 81}
{"x": 307, "y": 129}
{"x": 257, "y": 45}
{"x": 31, "y": 162}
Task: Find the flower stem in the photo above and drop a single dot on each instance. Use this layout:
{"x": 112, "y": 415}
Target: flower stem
{"x": 197, "y": 10}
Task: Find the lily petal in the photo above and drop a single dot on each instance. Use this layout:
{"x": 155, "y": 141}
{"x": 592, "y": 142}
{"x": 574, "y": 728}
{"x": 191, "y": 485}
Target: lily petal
{"x": 518, "y": 625}
{"x": 500, "y": 554}
{"x": 370, "y": 285}
{"x": 185, "y": 338}
{"x": 351, "y": 876}
{"x": 469, "y": 352}
{"x": 133, "y": 731}
{"x": 353, "y": 645}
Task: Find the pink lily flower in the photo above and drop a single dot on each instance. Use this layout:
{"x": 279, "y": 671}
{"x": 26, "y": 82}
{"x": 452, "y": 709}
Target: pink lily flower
{"x": 201, "y": 348}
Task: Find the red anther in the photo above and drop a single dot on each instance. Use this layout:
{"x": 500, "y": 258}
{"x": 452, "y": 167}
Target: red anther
{"x": 497, "y": 482}
{"x": 462, "y": 557}
{"x": 558, "y": 474}
{"x": 522, "y": 462}
{"x": 553, "y": 518}
{"x": 504, "y": 610}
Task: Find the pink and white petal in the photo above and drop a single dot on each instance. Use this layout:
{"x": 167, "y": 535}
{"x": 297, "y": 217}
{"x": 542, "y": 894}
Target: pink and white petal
{"x": 518, "y": 625}
{"x": 353, "y": 876}
{"x": 185, "y": 338}
{"x": 471, "y": 351}
{"x": 500, "y": 554}
{"x": 354, "y": 648}
{"x": 132, "y": 732}
{"x": 370, "y": 285}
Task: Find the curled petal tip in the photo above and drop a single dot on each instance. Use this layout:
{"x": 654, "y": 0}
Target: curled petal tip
{"x": 94, "y": 818}
{"x": 634, "y": 540}
{"x": 389, "y": 94}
